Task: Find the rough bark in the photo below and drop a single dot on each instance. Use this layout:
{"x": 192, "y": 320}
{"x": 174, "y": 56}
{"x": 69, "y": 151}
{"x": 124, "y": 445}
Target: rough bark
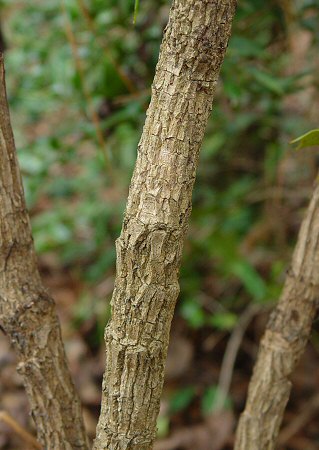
{"x": 284, "y": 341}
{"x": 159, "y": 204}
{"x": 27, "y": 312}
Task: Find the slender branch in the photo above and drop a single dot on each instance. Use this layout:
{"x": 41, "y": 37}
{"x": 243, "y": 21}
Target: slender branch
{"x": 150, "y": 246}
{"x": 284, "y": 341}
{"x": 27, "y": 312}
{"x": 227, "y": 367}
{"x": 19, "y": 430}
{"x": 91, "y": 109}
{"x": 298, "y": 423}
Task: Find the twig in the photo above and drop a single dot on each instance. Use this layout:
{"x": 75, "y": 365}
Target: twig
{"x": 125, "y": 79}
{"x": 19, "y": 430}
{"x": 300, "y": 421}
{"x": 227, "y": 368}
{"x": 122, "y": 99}
{"x": 77, "y": 61}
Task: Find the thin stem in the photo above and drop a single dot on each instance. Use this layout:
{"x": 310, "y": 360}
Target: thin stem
{"x": 19, "y": 430}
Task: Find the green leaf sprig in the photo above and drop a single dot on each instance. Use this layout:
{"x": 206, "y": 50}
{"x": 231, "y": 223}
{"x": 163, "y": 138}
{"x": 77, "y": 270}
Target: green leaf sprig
{"x": 136, "y": 8}
{"x": 309, "y": 139}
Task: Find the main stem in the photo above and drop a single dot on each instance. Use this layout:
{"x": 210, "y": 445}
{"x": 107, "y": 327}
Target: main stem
{"x": 284, "y": 341}
{"x": 150, "y": 246}
{"x": 27, "y": 312}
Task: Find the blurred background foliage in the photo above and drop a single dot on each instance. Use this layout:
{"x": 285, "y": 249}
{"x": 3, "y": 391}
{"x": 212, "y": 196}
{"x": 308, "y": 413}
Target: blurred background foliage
{"x": 79, "y": 76}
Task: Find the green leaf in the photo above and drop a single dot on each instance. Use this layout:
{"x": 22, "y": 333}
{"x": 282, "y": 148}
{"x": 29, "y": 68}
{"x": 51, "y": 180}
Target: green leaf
{"x": 251, "y": 279}
{"x": 193, "y": 313}
{"x": 223, "y": 321}
{"x": 244, "y": 46}
{"x": 307, "y": 140}
{"x": 181, "y": 399}
{"x": 162, "y": 426}
{"x": 268, "y": 81}
{"x": 210, "y": 400}
{"x": 136, "y": 7}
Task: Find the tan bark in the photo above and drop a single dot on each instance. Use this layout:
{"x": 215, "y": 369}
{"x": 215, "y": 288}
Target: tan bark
{"x": 27, "y": 312}
{"x": 155, "y": 223}
{"x": 284, "y": 341}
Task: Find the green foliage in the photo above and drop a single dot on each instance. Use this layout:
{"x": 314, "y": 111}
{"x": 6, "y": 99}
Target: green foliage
{"x": 62, "y": 163}
{"x": 223, "y": 320}
{"x": 181, "y": 399}
{"x": 136, "y": 7}
{"x": 210, "y": 400}
{"x": 162, "y": 426}
{"x": 192, "y": 311}
{"x": 309, "y": 139}
{"x": 251, "y": 280}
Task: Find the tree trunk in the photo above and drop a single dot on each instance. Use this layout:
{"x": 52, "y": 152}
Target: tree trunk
{"x": 159, "y": 204}
{"x": 284, "y": 341}
{"x": 27, "y": 312}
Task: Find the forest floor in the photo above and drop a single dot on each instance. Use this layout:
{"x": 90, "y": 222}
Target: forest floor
{"x": 195, "y": 359}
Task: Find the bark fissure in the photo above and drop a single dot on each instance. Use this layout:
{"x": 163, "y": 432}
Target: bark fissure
{"x": 155, "y": 223}
{"x": 27, "y": 312}
{"x": 284, "y": 341}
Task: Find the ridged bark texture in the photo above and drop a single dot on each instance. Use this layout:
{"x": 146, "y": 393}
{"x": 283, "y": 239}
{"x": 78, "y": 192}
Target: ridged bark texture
{"x": 159, "y": 204}
{"x": 286, "y": 336}
{"x": 27, "y": 312}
